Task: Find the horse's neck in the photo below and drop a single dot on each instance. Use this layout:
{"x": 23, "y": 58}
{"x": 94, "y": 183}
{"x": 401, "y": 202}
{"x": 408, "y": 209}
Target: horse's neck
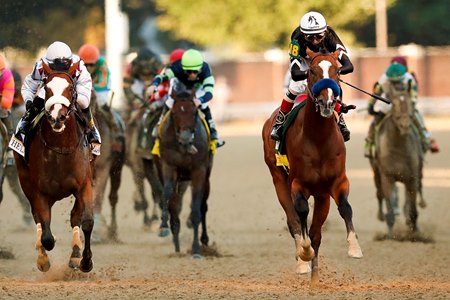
{"x": 314, "y": 125}
{"x": 72, "y": 132}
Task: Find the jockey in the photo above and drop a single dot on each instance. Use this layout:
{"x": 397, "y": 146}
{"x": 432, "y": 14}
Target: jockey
{"x": 6, "y": 96}
{"x": 159, "y": 98}
{"x": 192, "y": 71}
{"x": 138, "y": 77}
{"x": 59, "y": 57}
{"x": 399, "y": 79}
{"x": 101, "y": 79}
{"x": 315, "y": 34}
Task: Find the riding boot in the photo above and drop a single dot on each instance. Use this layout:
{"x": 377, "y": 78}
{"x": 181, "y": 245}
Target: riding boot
{"x": 277, "y": 128}
{"x": 212, "y": 127}
{"x": 425, "y": 136}
{"x": 343, "y": 128}
{"x": 93, "y": 133}
{"x": 32, "y": 110}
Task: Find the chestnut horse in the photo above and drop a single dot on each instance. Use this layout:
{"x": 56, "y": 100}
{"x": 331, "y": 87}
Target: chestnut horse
{"x": 59, "y": 164}
{"x": 316, "y": 153}
{"x": 185, "y": 156}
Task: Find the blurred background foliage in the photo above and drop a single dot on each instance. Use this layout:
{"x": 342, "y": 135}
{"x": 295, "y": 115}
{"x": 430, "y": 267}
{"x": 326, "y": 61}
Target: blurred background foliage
{"x": 227, "y": 25}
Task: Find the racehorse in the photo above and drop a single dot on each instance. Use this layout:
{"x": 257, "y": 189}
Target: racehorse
{"x": 3, "y": 149}
{"x": 185, "y": 155}
{"x": 59, "y": 164}
{"x": 316, "y": 153}
{"x": 142, "y": 166}
{"x": 107, "y": 166}
{"x": 398, "y": 158}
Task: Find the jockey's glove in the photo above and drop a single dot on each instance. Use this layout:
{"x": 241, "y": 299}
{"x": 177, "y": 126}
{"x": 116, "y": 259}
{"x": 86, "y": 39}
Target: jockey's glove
{"x": 346, "y": 108}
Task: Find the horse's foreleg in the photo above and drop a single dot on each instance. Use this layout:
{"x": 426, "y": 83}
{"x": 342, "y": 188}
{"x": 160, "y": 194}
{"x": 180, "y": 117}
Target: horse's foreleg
{"x": 411, "y": 213}
{"x": 320, "y": 214}
{"x": 204, "y": 209}
{"x": 82, "y": 212}
{"x": 169, "y": 190}
{"x": 345, "y": 210}
{"x": 198, "y": 192}
{"x": 388, "y": 193}
{"x": 302, "y": 241}
{"x": 174, "y": 211}
{"x": 42, "y": 262}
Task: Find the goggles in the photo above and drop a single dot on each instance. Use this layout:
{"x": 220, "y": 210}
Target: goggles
{"x": 192, "y": 71}
{"x": 315, "y": 37}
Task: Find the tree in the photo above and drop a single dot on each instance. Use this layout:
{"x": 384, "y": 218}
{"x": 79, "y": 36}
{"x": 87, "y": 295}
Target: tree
{"x": 253, "y": 25}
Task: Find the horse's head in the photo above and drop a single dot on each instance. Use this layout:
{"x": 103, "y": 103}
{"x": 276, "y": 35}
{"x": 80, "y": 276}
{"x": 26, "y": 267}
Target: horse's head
{"x": 184, "y": 113}
{"x": 323, "y": 79}
{"x": 401, "y": 107}
{"x": 60, "y": 96}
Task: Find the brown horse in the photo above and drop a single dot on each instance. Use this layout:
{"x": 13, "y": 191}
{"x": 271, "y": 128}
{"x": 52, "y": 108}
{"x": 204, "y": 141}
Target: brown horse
{"x": 185, "y": 155}
{"x": 316, "y": 153}
{"x": 59, "y": 165}
{"x": 108, "y": 166}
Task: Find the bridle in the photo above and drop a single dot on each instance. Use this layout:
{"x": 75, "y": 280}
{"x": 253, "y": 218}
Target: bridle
{"x": 314, "y": 92}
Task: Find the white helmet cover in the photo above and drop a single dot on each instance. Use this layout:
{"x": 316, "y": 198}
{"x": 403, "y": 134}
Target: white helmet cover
{"x": 58, "y": 50}
{"x": 313, "y": 23}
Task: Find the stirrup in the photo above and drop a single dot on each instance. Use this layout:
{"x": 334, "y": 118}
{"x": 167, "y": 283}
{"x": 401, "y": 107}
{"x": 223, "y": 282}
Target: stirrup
{"x": 275, "y": 134}
{"x": 219, "y": 143}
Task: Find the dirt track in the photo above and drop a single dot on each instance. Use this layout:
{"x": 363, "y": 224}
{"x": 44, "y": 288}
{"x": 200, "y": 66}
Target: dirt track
{"x": 247, "y": 227}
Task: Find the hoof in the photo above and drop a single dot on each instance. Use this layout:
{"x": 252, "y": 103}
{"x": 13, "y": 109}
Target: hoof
{"x": 163, "y": 232}
{"x": 303, "y": 267}
{"x": 43, "y": 267}
{"x": 197, "y": 256}
{"x": 86, "y": 266}
{"x": 74, "y": 262}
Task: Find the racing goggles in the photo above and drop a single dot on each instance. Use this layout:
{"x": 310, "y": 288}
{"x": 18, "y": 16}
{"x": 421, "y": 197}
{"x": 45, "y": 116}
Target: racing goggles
{"x": 315, "y": 37}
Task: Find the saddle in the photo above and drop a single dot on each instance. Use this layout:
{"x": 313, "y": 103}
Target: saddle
{"x": 212, "y": 144}
{"x": 280, "y": 148}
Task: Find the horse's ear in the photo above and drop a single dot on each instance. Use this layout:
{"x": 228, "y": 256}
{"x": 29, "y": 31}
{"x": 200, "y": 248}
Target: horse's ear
{"x": 46, "y": 67}
{"x": 73, "y": 68}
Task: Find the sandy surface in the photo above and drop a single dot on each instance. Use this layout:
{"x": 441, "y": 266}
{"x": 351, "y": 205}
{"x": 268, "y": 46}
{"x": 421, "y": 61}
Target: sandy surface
{"x": 247, "y": 227}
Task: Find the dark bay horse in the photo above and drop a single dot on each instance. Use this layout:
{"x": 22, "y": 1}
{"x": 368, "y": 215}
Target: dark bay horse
{"x": 59, "y": 165}
{"x": 108, "y": 166}
{"x": 142, "y": 166}
{"x": 398, "y": 158}
{"x": 185, "y": 156}
{"x": 316, "y": 153}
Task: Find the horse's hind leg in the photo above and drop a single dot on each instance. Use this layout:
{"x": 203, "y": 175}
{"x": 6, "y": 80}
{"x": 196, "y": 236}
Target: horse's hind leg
{"x": 115, "y": 175}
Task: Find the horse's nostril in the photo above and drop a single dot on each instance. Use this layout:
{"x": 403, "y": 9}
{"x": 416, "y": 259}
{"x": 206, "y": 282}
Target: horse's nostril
{"x": 62, "y": 118}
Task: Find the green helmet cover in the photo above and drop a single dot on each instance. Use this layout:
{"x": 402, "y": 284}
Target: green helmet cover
{"x": 192, "y": 60}
{"x": 395, "y": 72}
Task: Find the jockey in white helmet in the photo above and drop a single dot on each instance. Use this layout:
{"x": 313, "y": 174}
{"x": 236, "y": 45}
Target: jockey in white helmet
{"x": 60, "y": 58}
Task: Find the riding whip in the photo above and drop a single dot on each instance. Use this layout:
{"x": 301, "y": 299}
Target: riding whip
{"x": 363, "y": 91}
